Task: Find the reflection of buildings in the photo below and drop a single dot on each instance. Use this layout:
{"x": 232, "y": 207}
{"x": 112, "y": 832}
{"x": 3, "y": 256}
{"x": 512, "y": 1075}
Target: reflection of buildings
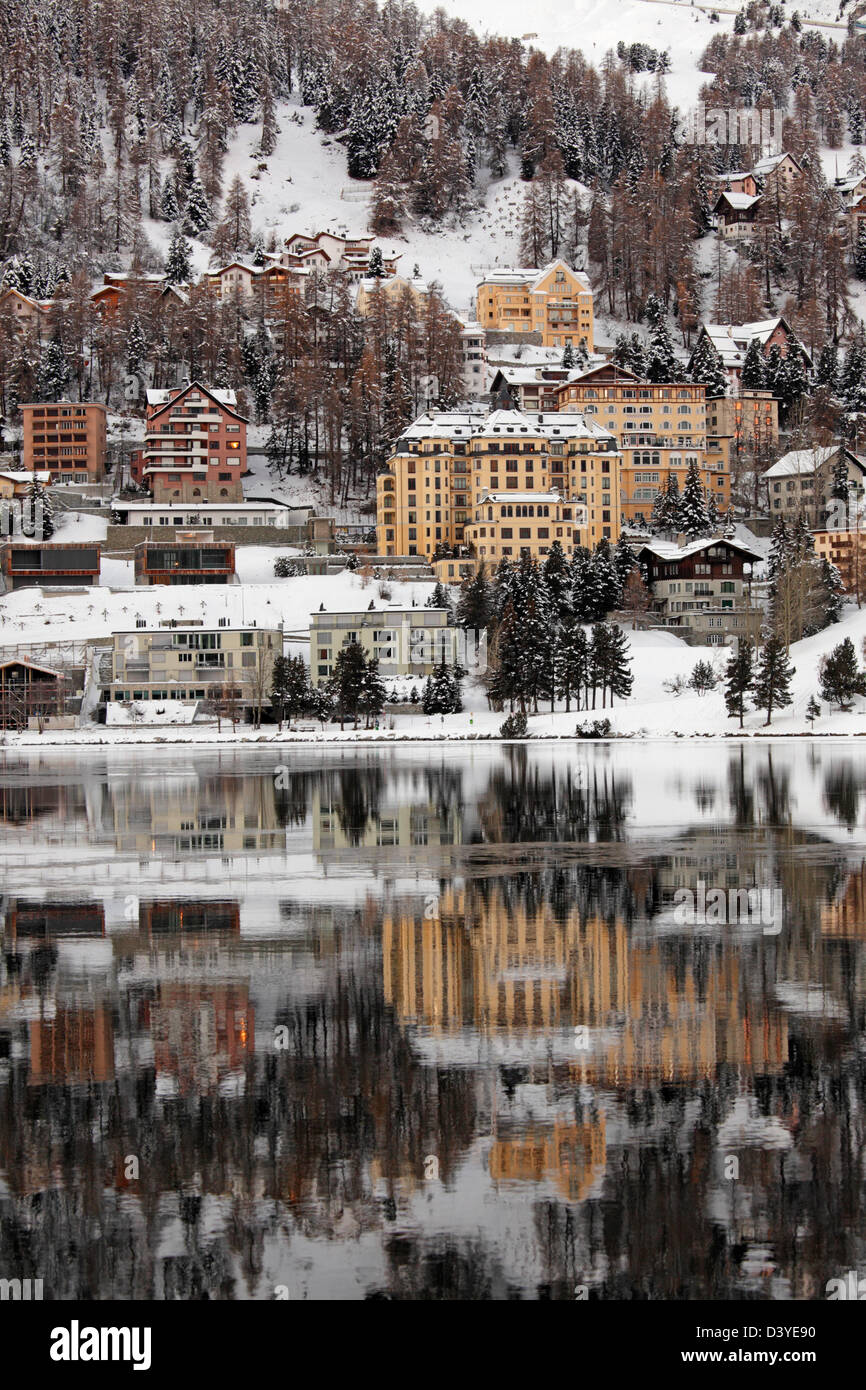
{"x": 648, "y": 1011}
{"x": 225, "y": 815}
{"x": 76, "y": 1045}
{"x": 340, "y": 826}
{"x": 24, "y": 918}
{"x": 188, "y": 917}
{"x": 572, "y": 1156}
{"x": 846, "y": 916}
{"x": 202, "y": 1033}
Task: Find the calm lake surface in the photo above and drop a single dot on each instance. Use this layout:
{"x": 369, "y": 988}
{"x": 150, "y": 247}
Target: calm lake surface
{"x": 434, "y": 1023}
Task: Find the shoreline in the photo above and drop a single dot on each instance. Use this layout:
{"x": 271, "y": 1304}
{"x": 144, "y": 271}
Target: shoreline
{"x": 347, "y": 738}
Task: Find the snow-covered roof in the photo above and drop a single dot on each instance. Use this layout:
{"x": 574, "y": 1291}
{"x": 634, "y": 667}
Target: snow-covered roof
{"x": 801, "y": 462}
{"x": 740, "y": 202}
{"x": 529, "y": 277}
{"x": 224, "y": 395}
{"x": 730, "y": 176}
{"x": 559, "y": 424}
{"x": 549, "y": 374}
{"x": 772, "y": 161}
{"x": 731, "y": 340}
{"x": 670, "y": 550}
{"x": 23, "y": 475}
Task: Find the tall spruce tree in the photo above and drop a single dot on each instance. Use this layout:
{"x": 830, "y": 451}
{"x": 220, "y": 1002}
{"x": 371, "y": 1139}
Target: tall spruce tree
{"x": 739, "y": 676}
{"x": 771, "y": 687}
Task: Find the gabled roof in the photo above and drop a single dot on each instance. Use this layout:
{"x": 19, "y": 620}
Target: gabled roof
{"x": 33, "y": 666}
{"x": 772, "y": 161}
{"x": 671, "y": 551}
{"x": 225, "y": 398}
{"x": 738, "y": 202}
{"x": 807, "y": 462}
{"x": 731, "y": 340}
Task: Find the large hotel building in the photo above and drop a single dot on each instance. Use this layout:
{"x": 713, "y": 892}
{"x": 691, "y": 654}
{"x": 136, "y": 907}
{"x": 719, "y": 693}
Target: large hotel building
{"x": 504, "y": 482}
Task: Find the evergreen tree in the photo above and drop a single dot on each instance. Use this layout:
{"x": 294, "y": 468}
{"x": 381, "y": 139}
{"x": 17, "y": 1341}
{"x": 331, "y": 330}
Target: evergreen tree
{"x": 618, "y": 668}
{"x": 827, "y": 373}
{"x": 754, "y": 373}
{"x": 346, "y": 682}
{"x": 198, "y": 214}
{"x": 694, "y": 517}
{"x": 38, "y": 515}
{"x": 708, "y": 369}
{"x": 840, "y": 676}
{"x": 557, "y": 579}
{"x": 666, "y": 507}
{"x": 54, "y": 372}
{"x": 373, "y": 693}
{"x": 178, "y": 262}
{"x": 624, "y": 560}
{"x": 739, "y": 676}
{"x": 571, "y": 670}
{"x": 442, "y": 691}
{"x": 771, "y": 687}
{"x": 813, "y": 710}
{"x": 169, "y": 207}
{"x": 375, "y": 265}
{"x": 290, "y": 687}
{"x": 474, "y": 606}
{"x": 568, "y": 357}
{"x": 859, "y": 256}
{"x": 440, "y": 598}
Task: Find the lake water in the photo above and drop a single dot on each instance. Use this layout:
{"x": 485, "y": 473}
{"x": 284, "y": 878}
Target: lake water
{"x": 539, "y": 1021}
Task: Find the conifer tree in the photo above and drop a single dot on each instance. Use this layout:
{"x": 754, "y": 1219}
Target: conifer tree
{"x": 571, "y": 664}
{"x": 474, "y": 605}
{"x": 694, "y": 517}
{"x": 178, "y": 262}
{"x": 373, "y": 693}
{"x": 666, "y": 507}
{"x": 754, "y": 373}
{"x": 840, "y": 675}
{"x": 739, "y": 675}
{"x": 346, "y": 682}
{"x": 440, "y": 598}
{"x": 771, "y": 687}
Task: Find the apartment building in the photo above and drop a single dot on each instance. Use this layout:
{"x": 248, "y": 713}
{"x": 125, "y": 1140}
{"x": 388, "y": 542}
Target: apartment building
{"x": 510, "y": 524}
{"x": 195, "y": 446}
{"x": 555, "y": 302}
{"x": 846, "y": 549}
{"x": 446, "y": 463}
{"x": 406, "y": 641}
{"x": 66, "y": 439}
{"x": 192, "y": 663}
{"x": 328, "y": 251}
{"x": 660, "y": 429}
{"x": 750, "y": 421}
{"x": 190, "y": 557}
{"x": 802, "y": 482}
{"x": 43, "y": 564}
{"x": 702, "y": 588}
{"x": 393, "y": 290}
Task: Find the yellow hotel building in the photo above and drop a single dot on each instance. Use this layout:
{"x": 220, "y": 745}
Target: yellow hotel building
{"x": 457, "y": 478}
{"x": 555, "y": 302}
{"x": 661, "y": 429}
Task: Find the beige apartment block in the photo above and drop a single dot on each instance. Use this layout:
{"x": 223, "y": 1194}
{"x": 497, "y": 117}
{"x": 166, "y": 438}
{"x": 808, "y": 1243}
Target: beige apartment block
{"x": 192, "y": 663}
{"x": 661, "y": 429}
{"x": 406, "y": 641}
{"x": 555, "y": 302}
{"x": 445, "y": 463}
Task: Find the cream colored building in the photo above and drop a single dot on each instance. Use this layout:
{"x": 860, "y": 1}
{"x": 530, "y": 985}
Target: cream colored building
{"x": 193, "y": 663}
{"x": 510, "y": 524}
{"x": 447, "y": 462}
{"x": 393, "y": 290}
{"x": 406, "y": 641}
{"x": 661, "y": 429}
{"x": 555, "y": 302}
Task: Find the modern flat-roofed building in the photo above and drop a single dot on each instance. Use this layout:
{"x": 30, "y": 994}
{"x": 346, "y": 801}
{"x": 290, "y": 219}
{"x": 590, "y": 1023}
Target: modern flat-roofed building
{"x": 191, "y": 663}
{"x": 43, "y": 564}
{"x": 406, "y": 641}
{"x": 193, "y": 557}
{"x": 65, "y": 438}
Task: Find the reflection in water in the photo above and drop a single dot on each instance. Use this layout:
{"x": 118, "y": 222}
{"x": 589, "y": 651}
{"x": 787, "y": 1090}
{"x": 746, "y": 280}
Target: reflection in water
{"x": 415, "y": 1024}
